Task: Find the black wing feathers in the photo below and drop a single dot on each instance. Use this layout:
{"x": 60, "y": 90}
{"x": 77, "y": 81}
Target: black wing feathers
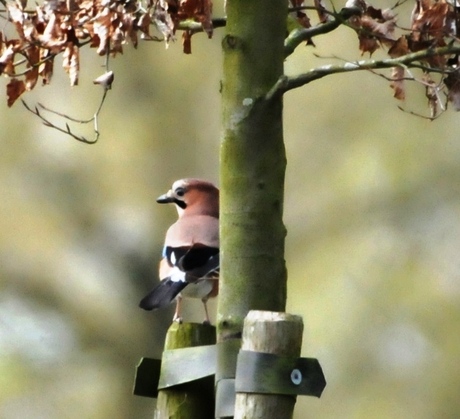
{"x": 162, "y": 294}
{"x": 196, "y": 262}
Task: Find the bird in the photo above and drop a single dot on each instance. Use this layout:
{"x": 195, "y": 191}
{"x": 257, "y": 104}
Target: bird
{"x": 190, "y": 263}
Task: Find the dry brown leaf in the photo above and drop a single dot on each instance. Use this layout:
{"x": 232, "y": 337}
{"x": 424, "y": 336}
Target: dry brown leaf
{"x": 187, "y": 42}
{"x": 22, "y": 22}
{"x": 163, "y": 20}
{"x": 382, "y": 29}
{"x": 6, "y": 60}
{"x": 198, "y": 10}
{"x": 15, "y": 13}
{"x": 299, "y": 15}
{"x": 399, "y": 48}
{"x": 33, "y": 58}
{"x": 50, "y": 29}
{"x": 397, "y": 75}
{"x": 71, "y": 62}
{"x": 321, "y": 10}
{"x": 46, "y": 67}
{"x": 367, "y": 44}
{"x": 144, "y": 24}
{"x": 432, "y": 19}
{"x": 103, "y": 29}
{"x": 431, "y": 95}
{"x": 116, "y": 42}
{"x": 206, "y": 18}
{"x": 61, "y": 26}
{"x": 452, "y": 81}
{"x": 129, "y": 28}
{"x": 303, "y": 19}
{"x": 168, "y": 14}
{"x": 14, "y": 89}
{"x": 374, "y": 27}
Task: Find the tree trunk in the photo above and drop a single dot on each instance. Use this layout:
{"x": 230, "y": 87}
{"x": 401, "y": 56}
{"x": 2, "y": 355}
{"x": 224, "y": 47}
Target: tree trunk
{"x": 252, "y": 162}
{"x": 191, "y": 400}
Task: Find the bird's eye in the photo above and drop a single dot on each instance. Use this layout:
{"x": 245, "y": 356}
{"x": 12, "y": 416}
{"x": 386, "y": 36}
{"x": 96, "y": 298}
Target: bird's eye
{"x": 180, "y": 192}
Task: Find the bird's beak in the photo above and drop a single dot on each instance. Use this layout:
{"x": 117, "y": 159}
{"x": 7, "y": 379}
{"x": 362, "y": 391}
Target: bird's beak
{"x": 166, "y": 198}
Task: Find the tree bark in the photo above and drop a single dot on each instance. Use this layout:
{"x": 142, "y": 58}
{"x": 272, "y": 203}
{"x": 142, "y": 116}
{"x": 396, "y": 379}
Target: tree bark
{"x": 252, "y": 162}
{"x": 191, "y": 400}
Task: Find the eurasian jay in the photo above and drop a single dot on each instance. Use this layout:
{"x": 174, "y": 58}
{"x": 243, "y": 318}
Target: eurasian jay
{"x": 190, "y": 264}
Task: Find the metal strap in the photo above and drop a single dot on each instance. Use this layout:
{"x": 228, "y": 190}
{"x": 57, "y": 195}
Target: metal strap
{"x": 183, "y": 365}
{"x": 272, "y": 374}
{"x": 147, "y": 377}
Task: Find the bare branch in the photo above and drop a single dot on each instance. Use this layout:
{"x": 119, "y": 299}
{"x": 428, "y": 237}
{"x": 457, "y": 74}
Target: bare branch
{"x": 195, "y": 27}
{"x": 285, "y": 83}
{"x": 398, "y": 4}
{"x": 63, "y": 115}
{"x": 297, "y": 36}
{"x": 430, "y": 118}
{"x": 67, "y": 130}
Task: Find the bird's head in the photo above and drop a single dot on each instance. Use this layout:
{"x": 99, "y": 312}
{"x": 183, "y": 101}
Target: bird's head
{"x": 193, "y": 196}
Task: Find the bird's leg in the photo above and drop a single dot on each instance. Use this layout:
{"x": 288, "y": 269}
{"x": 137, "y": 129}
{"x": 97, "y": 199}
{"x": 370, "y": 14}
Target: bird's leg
{"x": 206, "y": 320}
{"x": 177, "y": 314}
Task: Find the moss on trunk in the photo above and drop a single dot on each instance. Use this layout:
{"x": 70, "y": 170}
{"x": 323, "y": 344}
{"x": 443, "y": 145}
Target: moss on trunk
{"x": 253, "y": 163}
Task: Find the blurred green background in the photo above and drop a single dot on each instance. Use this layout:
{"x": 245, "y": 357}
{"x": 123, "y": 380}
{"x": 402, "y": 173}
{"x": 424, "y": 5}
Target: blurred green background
{"x": 372, "y": 210}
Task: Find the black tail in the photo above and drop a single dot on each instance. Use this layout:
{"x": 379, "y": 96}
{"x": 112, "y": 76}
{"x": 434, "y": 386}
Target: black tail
{"x": 162, "y": 295}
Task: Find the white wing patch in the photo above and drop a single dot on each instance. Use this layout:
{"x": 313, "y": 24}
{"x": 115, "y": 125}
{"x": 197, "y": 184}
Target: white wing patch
{"x": 177, "y": 275}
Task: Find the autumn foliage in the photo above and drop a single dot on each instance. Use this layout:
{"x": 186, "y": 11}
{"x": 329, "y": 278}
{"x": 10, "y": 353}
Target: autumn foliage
{"x": 433, "y": 24}
{"x": 63, "y": 27}
{"x": 36, "y": 36}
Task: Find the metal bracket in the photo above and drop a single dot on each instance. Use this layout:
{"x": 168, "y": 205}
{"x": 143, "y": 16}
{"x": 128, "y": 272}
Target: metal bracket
{"x": 225, "y": 398}
{"x": 181, "y": 366}
{"x": 178, "y": 366}
{"x": 147, "y": 377}
{"x": 255, "y": 373}
{"x": 265, "y": 373}
{"x": 225, "y": 380}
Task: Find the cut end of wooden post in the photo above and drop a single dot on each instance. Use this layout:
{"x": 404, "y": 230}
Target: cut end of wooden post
{"x": 273, "y": 332}
{"x": 260, "y": 315}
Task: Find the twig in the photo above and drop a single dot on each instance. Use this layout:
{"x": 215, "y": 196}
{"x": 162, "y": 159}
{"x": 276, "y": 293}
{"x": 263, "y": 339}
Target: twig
{"x": 297, "y": 36}
{"x": 398, "y": 4}
{"x": 285, "y": 83}
{"x": 391, "y": 79}
{"x": 32, "y": 66}
{"x": 430, "y": 118}
{"x": 67, "y": 130}
{"x": 436, "y": 88}
{"x": 425, "y": 68}
{"x": 191, "y": 25}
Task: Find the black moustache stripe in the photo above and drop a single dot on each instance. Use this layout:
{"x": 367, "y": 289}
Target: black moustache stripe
{"x": 180, "y": 204}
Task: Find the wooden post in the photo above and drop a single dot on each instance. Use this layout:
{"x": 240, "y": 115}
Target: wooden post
{"x": 274, "y": 333}
{"x": 191, "y": 400}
